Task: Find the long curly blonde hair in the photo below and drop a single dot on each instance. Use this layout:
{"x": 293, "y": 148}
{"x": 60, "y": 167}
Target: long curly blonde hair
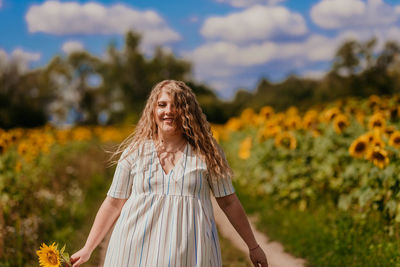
{"x": 192, "y": 121}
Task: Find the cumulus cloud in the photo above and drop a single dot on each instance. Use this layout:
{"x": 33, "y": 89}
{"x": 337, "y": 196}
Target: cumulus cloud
{"x": 221, "y": 63}
{"x": 255, "y": 23}
{"x": 336, "y": 14}
{"x": 315, "y": 48}
{"x": 72, "y": 46}
{"x": 63, "y": 18}
{"x": 246, "y": 3}
{"x": 19, "y": 57}
{"x": 397, "y": 10}
{"x": 313, "y": 74}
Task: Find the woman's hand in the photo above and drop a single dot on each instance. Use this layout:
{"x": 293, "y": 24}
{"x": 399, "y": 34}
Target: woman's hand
{"x": 258, "y": 258}
{"x": 80, "y": 257}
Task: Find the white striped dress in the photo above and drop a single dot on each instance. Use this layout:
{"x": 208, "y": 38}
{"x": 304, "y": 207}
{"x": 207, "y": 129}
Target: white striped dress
{"x": 168, "y": 219}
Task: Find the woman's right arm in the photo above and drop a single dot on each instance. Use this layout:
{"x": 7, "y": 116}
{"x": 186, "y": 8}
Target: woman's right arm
{"x": 108, "y": 213}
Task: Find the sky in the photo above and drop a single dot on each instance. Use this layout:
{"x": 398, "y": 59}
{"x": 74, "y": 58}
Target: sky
{"x": 232, "y": 44}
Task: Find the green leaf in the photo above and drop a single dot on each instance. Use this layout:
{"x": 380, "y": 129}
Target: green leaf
{"x": 62, "y": 250}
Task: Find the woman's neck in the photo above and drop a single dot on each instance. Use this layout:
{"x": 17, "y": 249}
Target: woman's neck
{"x": 170, "y": 141}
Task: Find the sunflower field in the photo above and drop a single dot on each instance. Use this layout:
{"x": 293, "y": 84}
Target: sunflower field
{"x": 325, "y": 181}
{"x": 339, "y": 160}
{"x": 48, "y": 179}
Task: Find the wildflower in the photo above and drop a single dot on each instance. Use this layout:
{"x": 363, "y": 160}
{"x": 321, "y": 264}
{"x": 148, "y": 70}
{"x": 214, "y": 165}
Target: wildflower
{"x": 331, "y": 113}
{"x": 18, "y": 166}
{"x": 377, "y": 121}
{"x": 292, "y": 111}
{"x": 245, "y": 147}
{"x": 310, "y": 119}
{"x": 378, "y": 156}
{"x": 340, "y": 123}
{"x": 360, "y": 117}
{"x": 373, "y": 101}
{"x": 248, "y": 116}
{"x": 389, "y": 130}
{"x": 266, "y": 112}
{"x": 293, "y": 122}
{"x": 359, "y": 147}
{"x": 316, "y": 132}
{"x": 286, "y": 139}
{"x": 233, "y": 124}
{"x": 49, "y": 256}
{"x": 395, "y": 139}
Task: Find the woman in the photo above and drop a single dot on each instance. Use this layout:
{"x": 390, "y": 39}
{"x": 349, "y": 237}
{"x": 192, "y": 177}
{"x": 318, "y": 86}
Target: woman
{"x": 160, "y": 194}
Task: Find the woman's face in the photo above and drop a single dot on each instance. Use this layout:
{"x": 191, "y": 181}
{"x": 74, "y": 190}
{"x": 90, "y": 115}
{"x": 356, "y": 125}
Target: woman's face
{"x": 166, "y": 115}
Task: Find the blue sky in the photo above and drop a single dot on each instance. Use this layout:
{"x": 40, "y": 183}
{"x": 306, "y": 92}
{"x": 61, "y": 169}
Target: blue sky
{"x": 231, "y": 43}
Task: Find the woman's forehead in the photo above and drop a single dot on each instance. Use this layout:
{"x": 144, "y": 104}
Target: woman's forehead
{"x": 165, "y": 96}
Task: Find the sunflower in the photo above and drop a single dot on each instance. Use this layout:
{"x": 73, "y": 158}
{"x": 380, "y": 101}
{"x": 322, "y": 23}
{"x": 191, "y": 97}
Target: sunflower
{"x": 389, "y": 130}
{"x": 286, "y": 139}
{"x": 245, "y": 147}
{"x": 340, "y": 122}
{"x": 293, "y": 122}
{"x": 247, "y": 116}
{"x": 370, "y": 136}
{"x": 395, "y": 139}
{"x": 269, "y": 130}
{"x": 377, "y": 121}
{"x": 373, "y": 101}
{"x": 309, "y": 123}
{"x": 267, "y": 112}
{"x": 292, "y": 111}
{"x": 377, "y": 142}
{"x": 378, "y": 156}
{"x": 23, "y": 148}
{"x": 360, "y": 117}
{"x": 359, "y": 147}
{"x": 49, "y": 256}
{"x": 316, "y": 132}
{"x": 234, "y": 124}
{"x": 331, "y": 113}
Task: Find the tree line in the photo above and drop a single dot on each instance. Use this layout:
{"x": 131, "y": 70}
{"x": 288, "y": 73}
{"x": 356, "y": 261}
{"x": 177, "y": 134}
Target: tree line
{"x": 84, "y": 89}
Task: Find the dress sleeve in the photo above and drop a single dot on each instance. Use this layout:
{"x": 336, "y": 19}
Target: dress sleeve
{"x": 222, "y": 186}
{"x": 121, "y": 186}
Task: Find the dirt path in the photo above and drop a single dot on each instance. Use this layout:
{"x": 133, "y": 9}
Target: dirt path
{"x": 276, "y": 255}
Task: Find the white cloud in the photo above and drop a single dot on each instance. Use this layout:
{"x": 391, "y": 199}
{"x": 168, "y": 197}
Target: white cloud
{"x": 61, "y": 18}
{"x": 18, "y": 57}
{"x": 214, "y": 54}
{"x": 221, "y": 63}
{"x": 255, "y": 23}
{"x": 397, "y": 10}
{"x": 245, "y": 3}
{"x": 313, "y": 74}
{"x": 72, "y": 46}
{"x": 336, "y": 14}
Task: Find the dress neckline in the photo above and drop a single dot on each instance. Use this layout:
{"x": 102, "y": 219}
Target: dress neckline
{"x": 184, "y": 154}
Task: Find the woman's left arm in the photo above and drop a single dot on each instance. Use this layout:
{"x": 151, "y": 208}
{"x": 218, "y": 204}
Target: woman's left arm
{"x": 236, "y": 215}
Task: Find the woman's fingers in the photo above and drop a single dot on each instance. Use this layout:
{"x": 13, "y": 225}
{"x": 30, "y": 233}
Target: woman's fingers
{"x": 79, "y": 262}
{"x": 74, "y": 258}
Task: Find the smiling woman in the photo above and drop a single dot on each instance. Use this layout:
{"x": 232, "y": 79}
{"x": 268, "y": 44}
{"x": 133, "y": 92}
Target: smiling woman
{"x": 160, "y": 197}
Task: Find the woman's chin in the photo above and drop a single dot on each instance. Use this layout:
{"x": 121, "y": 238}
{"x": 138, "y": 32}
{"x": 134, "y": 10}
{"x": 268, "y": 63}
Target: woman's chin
{"x": 168, "y": 130}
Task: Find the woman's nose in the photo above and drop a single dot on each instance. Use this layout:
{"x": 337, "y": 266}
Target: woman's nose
{"x": 169, "y": 109}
